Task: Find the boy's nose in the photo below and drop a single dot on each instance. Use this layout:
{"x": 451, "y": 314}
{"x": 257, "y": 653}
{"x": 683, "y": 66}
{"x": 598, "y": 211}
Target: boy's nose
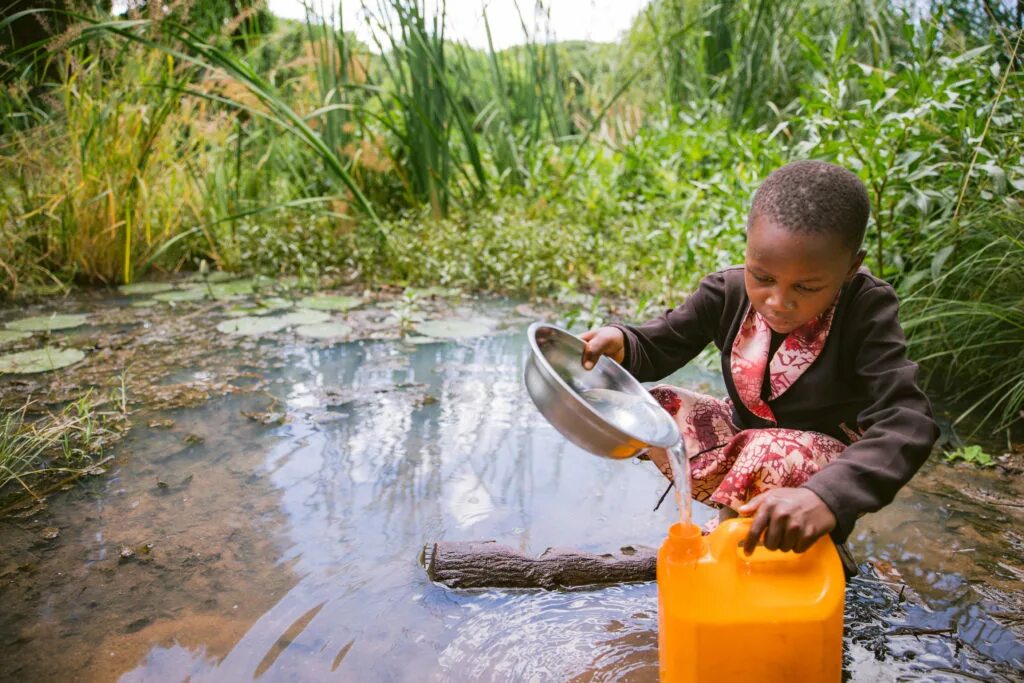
{"x": 780, "y": 303}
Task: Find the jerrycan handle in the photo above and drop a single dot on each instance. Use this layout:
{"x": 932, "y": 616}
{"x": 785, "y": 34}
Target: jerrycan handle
{"x": 731, "y": 532}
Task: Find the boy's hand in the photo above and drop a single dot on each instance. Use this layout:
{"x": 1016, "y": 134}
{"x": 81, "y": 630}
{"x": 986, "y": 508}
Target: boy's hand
{"x": 604, "y": 341}
{"x": 790, "y": 518}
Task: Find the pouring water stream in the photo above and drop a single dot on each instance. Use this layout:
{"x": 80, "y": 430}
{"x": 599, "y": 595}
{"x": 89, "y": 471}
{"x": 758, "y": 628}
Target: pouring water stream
{"x": 638, "y": 416}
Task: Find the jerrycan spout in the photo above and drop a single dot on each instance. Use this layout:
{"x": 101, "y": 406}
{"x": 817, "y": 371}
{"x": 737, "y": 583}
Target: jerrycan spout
{"x": 684, "y": 542}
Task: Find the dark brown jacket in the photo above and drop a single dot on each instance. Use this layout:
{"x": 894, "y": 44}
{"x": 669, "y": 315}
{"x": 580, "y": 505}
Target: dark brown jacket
{"x": 862, "y": 379}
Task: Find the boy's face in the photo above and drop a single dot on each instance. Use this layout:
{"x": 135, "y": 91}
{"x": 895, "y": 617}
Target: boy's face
{"x": 792, "y": 278}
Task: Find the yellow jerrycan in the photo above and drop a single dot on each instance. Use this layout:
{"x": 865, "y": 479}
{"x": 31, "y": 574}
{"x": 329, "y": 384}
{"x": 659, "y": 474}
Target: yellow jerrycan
{"x": 724, "y": 616}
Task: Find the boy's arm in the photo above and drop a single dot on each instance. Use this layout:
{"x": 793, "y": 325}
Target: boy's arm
{"x": 898, "y": 430}
{"x": 663, "y": 345}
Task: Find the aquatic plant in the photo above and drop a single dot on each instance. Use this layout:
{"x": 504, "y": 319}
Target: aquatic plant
{"x": 50, "y": 445}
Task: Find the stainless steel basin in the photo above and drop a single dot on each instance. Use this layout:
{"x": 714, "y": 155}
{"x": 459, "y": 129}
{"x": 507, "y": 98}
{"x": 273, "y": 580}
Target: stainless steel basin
{"x": 605, "y": 411}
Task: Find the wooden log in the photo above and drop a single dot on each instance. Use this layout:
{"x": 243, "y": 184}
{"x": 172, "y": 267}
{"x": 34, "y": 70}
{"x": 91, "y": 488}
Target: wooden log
{"x": 486, "y": 564}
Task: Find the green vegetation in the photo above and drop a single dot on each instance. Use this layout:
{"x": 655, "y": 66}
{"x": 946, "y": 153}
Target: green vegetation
{"x": 54, "y": 446}
{"x": 972, "y": 455}
{"x": 139, "y": 143}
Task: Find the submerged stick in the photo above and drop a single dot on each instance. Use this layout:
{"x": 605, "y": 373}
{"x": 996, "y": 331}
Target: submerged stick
{"x": 486, "y": 564}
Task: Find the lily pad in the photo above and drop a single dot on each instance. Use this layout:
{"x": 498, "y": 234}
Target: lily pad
{"x": 239, "y": 311}
{"x": 430, "y": 292}
{"x": 325, "y": 330}
{"x": 224, "y": 290}
{"x": 39, "y": 360}
{"x": 8, "y": 336}
{"x": 304, "y": 317}
{"x": 456, "y": 328}
{"x": 145, "y": 288}
{"x": 262, "y": 307}
{"x": 215, "y": 276}
{"x": 328, "y": 302}
{"x": 47, "y": 323}
{"x": 193, "y": 294}
{"x": 250, "y": 325}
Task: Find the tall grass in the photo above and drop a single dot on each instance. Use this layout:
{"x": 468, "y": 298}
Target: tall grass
{"x": 117, "y": 191}
{"x": 966, "y": 323}
{"x": 422, "y": 110}
{"x": 749, "y": 54}
{"x": 64, "y": 444}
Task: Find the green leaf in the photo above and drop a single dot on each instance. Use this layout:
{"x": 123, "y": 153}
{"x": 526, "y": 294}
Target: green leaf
{"x": 145, "y": 288}
{"x": 39, "y": 360}
{"x": 251, "y": 326}
{"x": 226, "y": 290}
{"x": 8, "y": 336}
{"x": 974, "y": 455}
{"x": 193, "y": 294}
{"x": 304, "y": 317}
{"x": 940, "y": 259}
{"x": 325, "y": 330}
{"x": 48, "y": 323}
{"x": 328, "y": 302}
{"x": 456, "y": 329}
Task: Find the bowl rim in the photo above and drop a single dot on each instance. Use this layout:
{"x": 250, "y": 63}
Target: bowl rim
{"x": 539, "y": 356}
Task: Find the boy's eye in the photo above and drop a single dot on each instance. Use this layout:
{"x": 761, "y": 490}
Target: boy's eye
{"x": 762, "y": 278}
{"x": 805, "y": 288}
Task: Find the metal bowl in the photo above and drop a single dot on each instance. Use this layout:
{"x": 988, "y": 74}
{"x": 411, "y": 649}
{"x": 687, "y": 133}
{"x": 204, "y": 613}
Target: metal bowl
{"x": 605, "y": 411}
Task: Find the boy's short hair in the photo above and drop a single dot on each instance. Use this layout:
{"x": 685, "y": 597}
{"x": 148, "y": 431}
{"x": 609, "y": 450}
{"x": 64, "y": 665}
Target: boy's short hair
{"x": 815, "y": 197}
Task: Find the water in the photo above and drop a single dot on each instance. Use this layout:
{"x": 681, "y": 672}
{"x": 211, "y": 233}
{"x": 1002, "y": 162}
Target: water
{"x": 681, "y": 479}
{"x": 647, "y": 421}
{"x": 290, "y": 552}
{"x": 636, "y": 415}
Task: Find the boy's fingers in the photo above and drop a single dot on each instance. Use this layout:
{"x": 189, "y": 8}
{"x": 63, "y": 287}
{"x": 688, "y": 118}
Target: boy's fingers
{"x": 751, "y": 506}
{"x": 757, "y": 527}
{"x": 791, "y": 539}
{"x": 804, "y": 544}
{"x": 590, "y": 355}
{"x": 773, "y": 534}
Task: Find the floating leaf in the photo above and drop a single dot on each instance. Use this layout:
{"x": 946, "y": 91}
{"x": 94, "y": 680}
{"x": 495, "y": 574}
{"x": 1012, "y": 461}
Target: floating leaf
{"x": 145, "y": 288}
{"x": 8, "y": 336}
{"x": 239, "y": 311}
{"x": 144, "y": 303}
{"x": 324, "y": 330}
{"x": 251, "y": 325}
{"x": 216, "y": 276}
{"x": 430, "y": 292}
{"x": 224, "y": 290}
{"x": 331, "y": 302}
{"x": 455, "y": 329}
{"x": 193, "y": 294}
{"x": 47, "y": 323}
{"x": 261, "y": 307}
{"x": 39, "y": 360}
{"x": 304, "y": 317}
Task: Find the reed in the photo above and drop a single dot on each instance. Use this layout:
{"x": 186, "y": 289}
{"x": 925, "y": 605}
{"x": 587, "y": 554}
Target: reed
{"x": 966, "y": 323}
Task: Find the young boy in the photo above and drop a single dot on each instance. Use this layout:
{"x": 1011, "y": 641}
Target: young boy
{"x": 824, "y": 420}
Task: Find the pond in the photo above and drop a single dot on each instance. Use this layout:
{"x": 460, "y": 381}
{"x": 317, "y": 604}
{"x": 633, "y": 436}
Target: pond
{"x": 218, "y": 547}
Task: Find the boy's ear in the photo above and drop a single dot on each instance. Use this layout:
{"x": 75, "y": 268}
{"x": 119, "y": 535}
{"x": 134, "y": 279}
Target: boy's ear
{"x": 858, "y": 261}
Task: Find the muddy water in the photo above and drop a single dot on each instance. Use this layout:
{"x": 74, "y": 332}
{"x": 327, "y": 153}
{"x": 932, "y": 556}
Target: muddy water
{"x": 219, "y": 548}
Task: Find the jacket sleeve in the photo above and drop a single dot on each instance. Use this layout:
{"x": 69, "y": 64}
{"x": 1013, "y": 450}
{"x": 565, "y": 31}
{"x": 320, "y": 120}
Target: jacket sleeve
{"x": 663, "y": 345}
{"x": 897, "y": 428}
